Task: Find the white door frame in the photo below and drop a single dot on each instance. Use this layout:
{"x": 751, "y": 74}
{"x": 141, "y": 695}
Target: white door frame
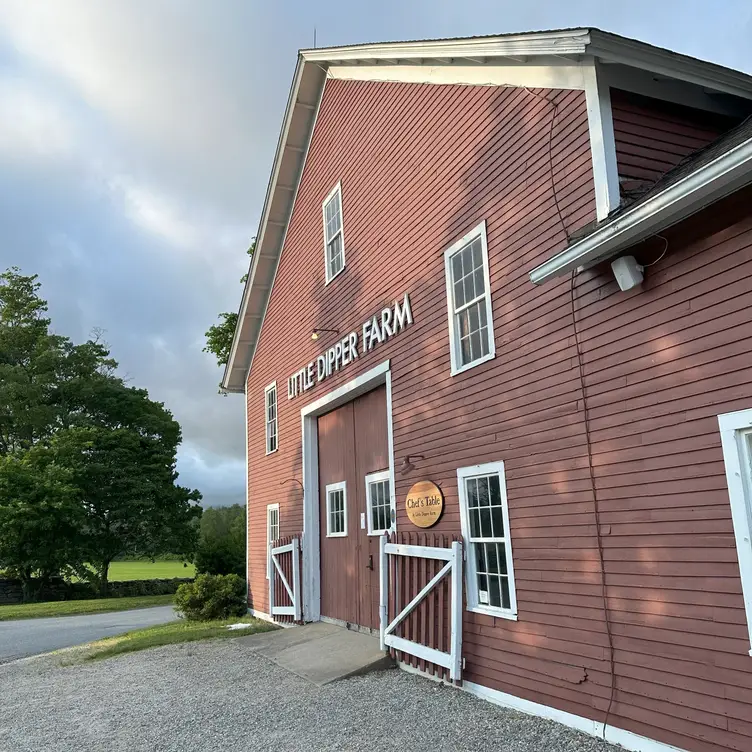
{"x": 367, "y": 381}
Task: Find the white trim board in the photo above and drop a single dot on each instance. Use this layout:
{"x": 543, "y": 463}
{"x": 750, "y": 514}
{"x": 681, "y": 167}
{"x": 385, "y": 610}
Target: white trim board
{"x": 365, "y": 382}
{"x": 265, "y": 617}
{"x": 735, "y": 455}
{"x": 552, "y": 76}
{"x": 711, "y": 182}
{"x": 627, "y": 739}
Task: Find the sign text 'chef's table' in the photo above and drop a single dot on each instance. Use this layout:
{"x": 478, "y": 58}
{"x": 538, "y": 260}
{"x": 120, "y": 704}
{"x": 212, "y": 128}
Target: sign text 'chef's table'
{"x": 379, "y": 328}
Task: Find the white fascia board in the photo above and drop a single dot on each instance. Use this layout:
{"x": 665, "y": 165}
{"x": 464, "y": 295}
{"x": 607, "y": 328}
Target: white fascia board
{"x": 572, "y": 42}
{"x": 249, "y": 286}
{"x": 256, "y": 292}
{"x": 611, "y": 48}
{"x": 723, "y": 175}
{"x": 558, "y": 75}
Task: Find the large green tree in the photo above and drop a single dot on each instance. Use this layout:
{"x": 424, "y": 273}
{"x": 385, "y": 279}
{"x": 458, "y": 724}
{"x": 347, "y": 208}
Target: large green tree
{"x": 96, "y": 445}
{"x": 219, "y": 336}
{"x": 41, "y": 515}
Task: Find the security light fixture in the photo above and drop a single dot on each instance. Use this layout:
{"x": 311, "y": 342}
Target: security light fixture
{"x": 315, "y": 333}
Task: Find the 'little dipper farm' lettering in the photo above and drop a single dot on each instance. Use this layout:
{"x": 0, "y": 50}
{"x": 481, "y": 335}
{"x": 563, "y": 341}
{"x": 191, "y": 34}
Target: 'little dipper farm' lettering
{"x": 377, "y": 329}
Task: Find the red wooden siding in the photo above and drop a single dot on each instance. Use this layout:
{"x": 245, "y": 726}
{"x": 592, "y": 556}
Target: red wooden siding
{"x": 661, "y": 363}
{"x": 420, "y": 166}
{"x": 653, "y": 136}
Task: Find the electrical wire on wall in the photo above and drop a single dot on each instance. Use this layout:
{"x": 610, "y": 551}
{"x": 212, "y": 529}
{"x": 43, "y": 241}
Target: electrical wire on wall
{"x": 586, "y": 419}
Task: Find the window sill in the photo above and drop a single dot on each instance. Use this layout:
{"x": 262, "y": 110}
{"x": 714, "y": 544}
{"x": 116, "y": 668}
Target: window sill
{"x": 331, "y": 279}
{"x": 377, "y": 533}
{"x": 468, "y": 366}
{"x": 272, "y": 452}
{"x": 336, "y": 535}
{"x": 490, "y": 611}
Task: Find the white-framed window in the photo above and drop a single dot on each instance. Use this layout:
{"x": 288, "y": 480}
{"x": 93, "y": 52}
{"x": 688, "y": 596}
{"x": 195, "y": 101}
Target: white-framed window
{"x": 379, "y": 502}
{"x": 485, "y": 529}
{"x": 270, "y": 403}
{"x": 336, "y": 510}
{"x": 334, "y": 234}
{"x": 272, "y": 532}
{"x": 736, "y": 441}
{"x": 471, "y": 336}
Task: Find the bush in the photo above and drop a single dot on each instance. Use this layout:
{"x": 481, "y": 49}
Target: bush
{"x": 212, "y": 596}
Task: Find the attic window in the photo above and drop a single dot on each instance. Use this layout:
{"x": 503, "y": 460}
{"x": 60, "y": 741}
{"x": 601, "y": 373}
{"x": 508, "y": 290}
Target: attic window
{"x": 334, "y": 235}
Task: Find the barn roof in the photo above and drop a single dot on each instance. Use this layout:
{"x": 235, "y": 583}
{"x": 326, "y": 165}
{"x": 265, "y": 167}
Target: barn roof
{"x": 571, "y": 47}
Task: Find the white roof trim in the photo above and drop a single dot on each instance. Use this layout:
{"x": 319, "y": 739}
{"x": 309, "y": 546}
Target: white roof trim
{"x": 709, "y": 183}
{"x": 305, "y": 95}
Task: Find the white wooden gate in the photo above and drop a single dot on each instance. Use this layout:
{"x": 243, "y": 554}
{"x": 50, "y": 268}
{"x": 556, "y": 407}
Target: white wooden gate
{"x": 293, "y": 592}
{"x": 453, "y": 568}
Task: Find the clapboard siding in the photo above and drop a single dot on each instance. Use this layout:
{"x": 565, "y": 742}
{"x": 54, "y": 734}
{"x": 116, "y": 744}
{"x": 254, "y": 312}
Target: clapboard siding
{"x": 421, "y": 165}
{"x": 653, "y": 136}
{"x": 660, "y": 363}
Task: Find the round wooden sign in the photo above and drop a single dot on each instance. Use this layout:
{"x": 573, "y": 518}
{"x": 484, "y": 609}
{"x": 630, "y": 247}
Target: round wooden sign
{"x": 424, "y": 504}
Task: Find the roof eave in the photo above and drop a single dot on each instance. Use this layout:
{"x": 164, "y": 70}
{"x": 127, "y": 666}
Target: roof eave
{"x": 568, "y": 42}
{"x": 611, "y": 48}
{"x": 713, "y": 181}
{"x": 266, "y": 254}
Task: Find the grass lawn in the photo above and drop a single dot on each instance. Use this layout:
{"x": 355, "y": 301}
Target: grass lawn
{"x": 147, "y": 570}
{"x": 73, "y": 608}
{"x": 170, "y": 634}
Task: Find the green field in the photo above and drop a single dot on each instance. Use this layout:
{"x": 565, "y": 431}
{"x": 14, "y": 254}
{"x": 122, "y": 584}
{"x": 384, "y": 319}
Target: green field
{"x": 76, "y": 608}
{"x": 147, "y": 570}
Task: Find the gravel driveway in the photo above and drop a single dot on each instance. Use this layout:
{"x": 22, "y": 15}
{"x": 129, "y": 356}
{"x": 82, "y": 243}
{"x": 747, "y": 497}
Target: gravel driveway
{"x": 219, "y": 695}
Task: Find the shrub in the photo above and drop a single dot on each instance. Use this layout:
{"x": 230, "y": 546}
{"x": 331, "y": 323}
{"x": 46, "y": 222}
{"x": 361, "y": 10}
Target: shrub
{"x": 212, "y": 596}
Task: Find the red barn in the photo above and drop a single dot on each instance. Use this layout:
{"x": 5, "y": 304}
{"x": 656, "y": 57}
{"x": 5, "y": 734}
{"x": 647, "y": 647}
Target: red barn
{"x": 496, "y": 351}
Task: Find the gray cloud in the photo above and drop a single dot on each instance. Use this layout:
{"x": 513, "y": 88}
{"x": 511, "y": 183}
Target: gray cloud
{"x": 136, "y": 140}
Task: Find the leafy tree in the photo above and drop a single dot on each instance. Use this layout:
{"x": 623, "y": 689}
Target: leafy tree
{"x": 219, "y": 336}
{"x": 75, "y": 438}
{"x": 221, "y": 549}
{"x": 41, "y": 516}
{"x": 123, "y": 461}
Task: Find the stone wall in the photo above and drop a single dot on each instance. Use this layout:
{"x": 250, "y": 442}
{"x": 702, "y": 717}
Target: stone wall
{"x": 59, "y": 590}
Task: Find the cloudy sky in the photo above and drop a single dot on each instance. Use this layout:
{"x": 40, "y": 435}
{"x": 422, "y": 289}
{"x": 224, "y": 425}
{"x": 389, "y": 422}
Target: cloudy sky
{"x": 136, "y": 140}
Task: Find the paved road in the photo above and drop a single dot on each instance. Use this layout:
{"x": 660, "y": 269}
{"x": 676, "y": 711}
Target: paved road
{"x": 24, "y": 637}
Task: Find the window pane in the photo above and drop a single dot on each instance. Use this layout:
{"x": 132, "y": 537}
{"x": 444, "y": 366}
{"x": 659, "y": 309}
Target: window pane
{"x": 473, "y": 316}
{"x": 471, "y": 486}
{"x": 480, "y": 284}
{"x": 477, "y": 254}
{"x": 495, "y": 488}
{"x": 480, "y": 553}
{"x": 492, "y": 557}
{"x": 459, "y": 294}
{"x": 469, "y": 288}
{"x": 483, "y": 499}
{"x": 494, "y": 591}
{"x": 464, "y": 323}
{"x": 497, "y": 520}
{"x": 465, "y": 354}
{"x": 485, "y": 523}
{"x": 476, "y": 348}
{"x": 474, "y": 523}
{"x": 457, "y": 267}
{"x": 506, "y": 600}
{"x": 501, "y": 553}
{"x": 482, "y": 589}
{"x": 467, "y": 259}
